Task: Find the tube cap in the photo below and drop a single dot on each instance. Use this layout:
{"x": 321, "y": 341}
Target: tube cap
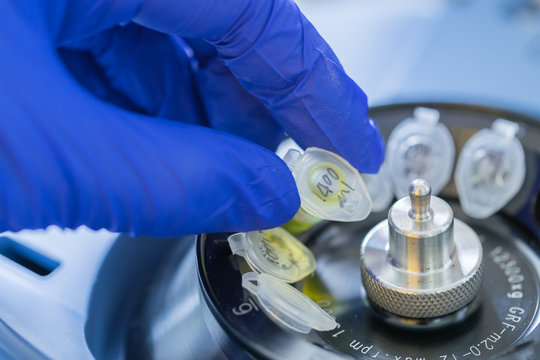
{"x": 286, "y": 305}
{"x": 420, "y": 147}
{"x": 380, "y": 188}
{"x": 490, "y": 169}
{"x": 275, "y": 252}
{"x": 329, "y": 187}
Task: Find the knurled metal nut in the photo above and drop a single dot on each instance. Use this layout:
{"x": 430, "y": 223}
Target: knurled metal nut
{"x": 422, "y": 304}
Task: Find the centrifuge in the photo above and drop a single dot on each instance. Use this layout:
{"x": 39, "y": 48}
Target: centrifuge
{"x": 446, "y": 266}
{"x": 121, "y": 297}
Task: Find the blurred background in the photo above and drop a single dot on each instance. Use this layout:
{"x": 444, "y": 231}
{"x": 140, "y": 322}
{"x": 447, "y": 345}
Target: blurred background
{"x": 482, "y": 52}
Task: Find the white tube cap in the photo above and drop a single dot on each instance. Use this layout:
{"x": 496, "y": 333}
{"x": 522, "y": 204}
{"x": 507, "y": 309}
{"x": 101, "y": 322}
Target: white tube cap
{"x": 329, "y": 187}
{"x": 420, "y": 148}
{"x": 275, "y": 252}
{"x": 380, "y": 188}
{"x": 286, "y": 305}
{"x": 490, "y": 169}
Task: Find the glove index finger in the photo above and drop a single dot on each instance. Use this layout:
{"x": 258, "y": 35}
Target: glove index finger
{"x": 273, "y": 50}
{"x": 279, "y": 57}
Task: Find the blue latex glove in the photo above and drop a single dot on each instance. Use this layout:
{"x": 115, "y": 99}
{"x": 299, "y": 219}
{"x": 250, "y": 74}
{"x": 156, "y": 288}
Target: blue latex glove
{"x": 101, "y": 105}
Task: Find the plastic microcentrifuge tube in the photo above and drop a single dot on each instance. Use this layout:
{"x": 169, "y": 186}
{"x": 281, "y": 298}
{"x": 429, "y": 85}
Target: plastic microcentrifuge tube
{"x": 490, "y": 169}
{"x": 275, "y": 252}
{"x": 420, "y": 147}
{"x": 380, "y": 188}
{"x": 286, "y": 305}
{"x": 329, "y": 187}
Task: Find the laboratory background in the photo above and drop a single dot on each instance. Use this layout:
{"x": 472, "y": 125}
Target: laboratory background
{"x": 436, "y": 256}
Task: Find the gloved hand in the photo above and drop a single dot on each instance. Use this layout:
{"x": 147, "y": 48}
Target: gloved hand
{"x": 102, "y": 104}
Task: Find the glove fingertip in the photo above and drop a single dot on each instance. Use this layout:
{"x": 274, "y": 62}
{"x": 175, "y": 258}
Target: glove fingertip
{"x": 366, "y": 153}
{"x": 377, "y": 153}
{"x": 279, "y": 201}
